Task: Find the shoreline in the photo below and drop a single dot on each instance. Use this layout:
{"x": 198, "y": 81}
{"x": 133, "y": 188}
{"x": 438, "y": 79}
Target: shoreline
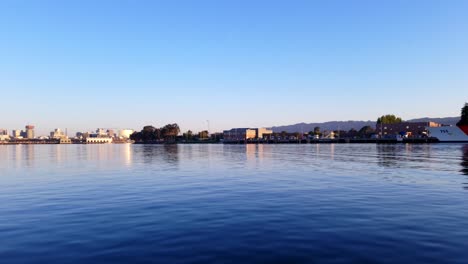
{"x": 243, "y": 142}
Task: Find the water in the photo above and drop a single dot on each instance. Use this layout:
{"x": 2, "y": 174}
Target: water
{"x": 234, "y": 204}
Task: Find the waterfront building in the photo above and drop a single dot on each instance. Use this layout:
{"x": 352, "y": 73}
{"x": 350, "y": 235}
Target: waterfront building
{"x": 57, "y": 134}
{"x": 101, "y": 132}
{"x": 100, "y": 137}
{"x": 29, "y": 132}
{"x": 261, "y": 132}
{"x": 125, "y": 133}
{"x": 409, "y": 129}
{"x": 239, "y": 134}
{"x": 203, "y": 135}
{"x": 82, "y": 135}
{"x": 17, "y": 133}
{"x": 246, "y": 133}
{"x": 65, "y": 140}
{"x": 98, "y": 140}
{"x": 110, "y": 133}
{"x": 4, "y": 135}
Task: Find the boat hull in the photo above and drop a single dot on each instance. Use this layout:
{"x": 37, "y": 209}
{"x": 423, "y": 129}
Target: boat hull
{"x": 450, "y": 133}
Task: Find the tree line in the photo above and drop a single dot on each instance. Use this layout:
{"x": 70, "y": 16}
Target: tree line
{"x": 170, "y": 134}
{"x": 464, "y": 116}
{"x": 167, "y": 133}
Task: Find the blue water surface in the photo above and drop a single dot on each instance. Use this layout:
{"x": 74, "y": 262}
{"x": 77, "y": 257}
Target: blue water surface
{"x": 344, "y": 203}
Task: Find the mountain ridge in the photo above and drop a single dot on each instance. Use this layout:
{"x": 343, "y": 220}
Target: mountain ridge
{"x": 354, "y": 124}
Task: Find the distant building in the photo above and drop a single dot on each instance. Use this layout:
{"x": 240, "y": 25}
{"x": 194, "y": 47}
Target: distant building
{"x": 410, "y": 129}
{"x": 82, "y": 135}
{"x": 4, "y": 135}
{"x": 262, "y": 132}
{"x": 216, "y": 136}
{"x": 17, "y": 133}
{"x": 125, "y": 133}
{"x": 110, "y": 133}
{"x": 101, "y": 132}
{"x": 100, "y": 137}
{"x": 239, "y": 134}
{"x": 203, "y": 134}
{"x": 246, "y": 133}
{"x": 29, "y": 132}
{"x": 57, "y": 134}
{"x": 65, "y": 140}
{"x": 98, "y": 140}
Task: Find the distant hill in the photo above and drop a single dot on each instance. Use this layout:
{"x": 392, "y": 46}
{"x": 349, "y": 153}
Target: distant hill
{"x": 332, "y": 125}
{"x": 347, "y": 125}
{"x": 444, "y": 120}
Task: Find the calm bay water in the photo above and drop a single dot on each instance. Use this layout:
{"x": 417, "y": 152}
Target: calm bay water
{"x": 234, "y": 203}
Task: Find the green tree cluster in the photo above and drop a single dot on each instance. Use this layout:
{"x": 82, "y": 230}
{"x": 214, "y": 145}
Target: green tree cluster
{"x": 366, "y": 132}
{"x": 166, "y": 133}
{"x": 464, "y": 116}
{"x": 389, "y": 119}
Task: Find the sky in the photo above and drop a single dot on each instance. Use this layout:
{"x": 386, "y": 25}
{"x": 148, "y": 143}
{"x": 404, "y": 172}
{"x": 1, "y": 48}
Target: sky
{"x": 83, "y": 64}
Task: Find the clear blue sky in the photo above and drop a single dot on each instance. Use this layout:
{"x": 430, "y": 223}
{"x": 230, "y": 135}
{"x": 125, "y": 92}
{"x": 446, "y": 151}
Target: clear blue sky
{"x": 87, "y": 64}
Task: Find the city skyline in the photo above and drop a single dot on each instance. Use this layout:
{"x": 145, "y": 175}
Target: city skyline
{"x": 244, "y": 64}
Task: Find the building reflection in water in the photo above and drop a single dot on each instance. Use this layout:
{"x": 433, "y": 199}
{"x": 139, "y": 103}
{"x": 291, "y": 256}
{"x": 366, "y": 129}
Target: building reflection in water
{"x": 323, "y": 150}
{"x": 388, "y": 156}
{"x": 28, "y": 155}
{"x": 119, "y": 153}
{"x": 22, "y": 155}
{"x": 126, "y": 150}
{"x": 92, "y": 154}
{"x": 254, "y": 151}
{"x": 254, "y": 154}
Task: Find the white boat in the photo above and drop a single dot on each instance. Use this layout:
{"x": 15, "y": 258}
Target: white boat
{"x": 449, "y": 133}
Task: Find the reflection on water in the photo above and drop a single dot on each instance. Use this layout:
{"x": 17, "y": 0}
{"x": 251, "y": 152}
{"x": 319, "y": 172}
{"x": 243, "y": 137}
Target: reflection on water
{"x": 464, "y": 160}
{"x": 388, "y": 155}
{"x": 157, "y": 153}
{"x": 437, "y": 157}
{"x": 308, "y": 203}
{"x": 19, "y": 156}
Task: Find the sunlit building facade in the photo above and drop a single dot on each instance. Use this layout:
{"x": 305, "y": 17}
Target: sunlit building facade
{"x": 245, "y": 133}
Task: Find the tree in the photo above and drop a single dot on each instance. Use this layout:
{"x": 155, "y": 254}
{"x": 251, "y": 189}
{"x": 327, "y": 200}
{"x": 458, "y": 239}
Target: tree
{"x": 275, "y": 135}
{"x": 339, "y": 133}
{"x": 352, "y": 133}
{"x": 317, "y": 131}
{"x": 203, "y": 134}
{"x": 188, "y": 135}
{"x": 170, "y": 131}
{"x": 150, "y": 133}
{"x": 147, "y": 133}
{"x": 464, "y": 116}
{"x": 389, "y": 119}
{"x": 366, "y": 132}
{"x": 157, "y": 133}
{"x": 336, "y": 133}
{"x": 136, "y": 136}
{"x": 284, "y": 134}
